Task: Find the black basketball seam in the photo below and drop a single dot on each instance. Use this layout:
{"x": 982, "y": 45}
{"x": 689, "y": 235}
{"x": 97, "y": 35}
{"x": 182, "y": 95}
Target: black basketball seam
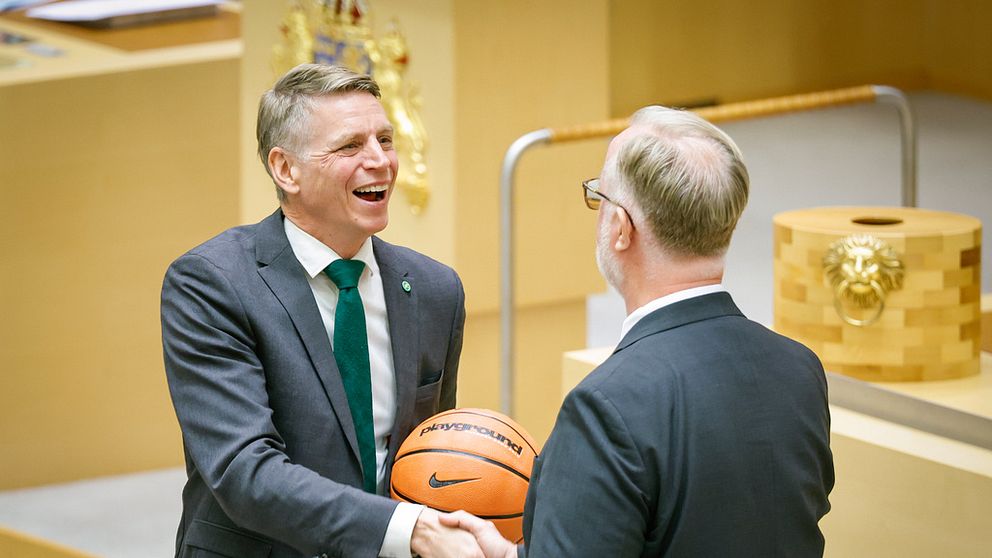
{"x": 403, "y": 496}
{"x": 412, "y": 501}
{"x": 522, "y": 437}
{"x": 461, "y": 452}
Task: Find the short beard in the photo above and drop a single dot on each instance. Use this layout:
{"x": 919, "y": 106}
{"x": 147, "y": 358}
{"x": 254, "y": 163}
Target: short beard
{"x": 607, "y": 263}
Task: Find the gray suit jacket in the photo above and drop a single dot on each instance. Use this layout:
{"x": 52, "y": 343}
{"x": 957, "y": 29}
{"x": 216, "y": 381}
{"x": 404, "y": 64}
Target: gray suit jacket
{"x": 271, "y": 451}
{"x": 704, "y": 434}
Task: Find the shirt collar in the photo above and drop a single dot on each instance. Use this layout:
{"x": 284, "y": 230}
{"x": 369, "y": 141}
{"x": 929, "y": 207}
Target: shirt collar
{"x": 315, "y": 256}
{"x": 631, "y": 320}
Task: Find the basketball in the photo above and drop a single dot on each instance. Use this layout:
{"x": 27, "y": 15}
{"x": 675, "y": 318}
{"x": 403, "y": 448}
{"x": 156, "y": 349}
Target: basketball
{"x": 468, "y": 459}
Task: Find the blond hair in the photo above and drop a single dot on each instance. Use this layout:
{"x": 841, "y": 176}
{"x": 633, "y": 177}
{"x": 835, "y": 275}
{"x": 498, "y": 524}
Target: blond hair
{"x": 686, "y": 178}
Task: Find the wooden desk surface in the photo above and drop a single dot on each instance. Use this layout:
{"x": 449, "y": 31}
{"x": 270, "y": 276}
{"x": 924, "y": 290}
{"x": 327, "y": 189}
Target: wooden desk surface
{"x": 226, "y": 25}
{"x": 87, "y": 52}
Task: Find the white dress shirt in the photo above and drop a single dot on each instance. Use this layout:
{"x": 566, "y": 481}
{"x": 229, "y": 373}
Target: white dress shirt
{"x": 658, "y": 303}
{"x": 315, "y": 256}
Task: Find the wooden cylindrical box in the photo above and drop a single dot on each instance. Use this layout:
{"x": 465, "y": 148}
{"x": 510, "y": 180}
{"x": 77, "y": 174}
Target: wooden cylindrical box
{"x": 918, "y": 319}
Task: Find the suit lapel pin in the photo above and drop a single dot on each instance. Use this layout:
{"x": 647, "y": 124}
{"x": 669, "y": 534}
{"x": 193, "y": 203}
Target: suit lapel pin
{"x": 406, "y": 286}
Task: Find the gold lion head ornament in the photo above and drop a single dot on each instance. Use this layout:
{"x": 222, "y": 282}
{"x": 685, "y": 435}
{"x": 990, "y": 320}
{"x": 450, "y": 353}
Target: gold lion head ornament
{"x": 862, "y": 270}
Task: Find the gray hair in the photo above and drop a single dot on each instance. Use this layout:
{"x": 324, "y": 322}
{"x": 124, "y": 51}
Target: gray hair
{"x": 685, "y": 177}
{"x": 284, "y": 110}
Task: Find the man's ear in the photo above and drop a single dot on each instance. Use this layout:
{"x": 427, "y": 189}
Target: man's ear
{"x": 624, "y": 228}
{"x": 284, "y": 171}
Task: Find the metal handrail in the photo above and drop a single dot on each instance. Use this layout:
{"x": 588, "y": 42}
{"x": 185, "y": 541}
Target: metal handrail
{"x": 719, "y": 113}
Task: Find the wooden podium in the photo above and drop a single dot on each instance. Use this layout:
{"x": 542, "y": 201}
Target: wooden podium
{"x": 116, "y": 157}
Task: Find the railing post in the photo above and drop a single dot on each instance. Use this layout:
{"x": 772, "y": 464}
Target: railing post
{"x": 517, "y": 148}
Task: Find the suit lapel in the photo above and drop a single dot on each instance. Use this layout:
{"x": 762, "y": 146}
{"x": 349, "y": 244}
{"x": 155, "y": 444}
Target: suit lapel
{"x": 404, "y": 335}
{"x": 284, "y": 275}
{"x": 681, "y": 313}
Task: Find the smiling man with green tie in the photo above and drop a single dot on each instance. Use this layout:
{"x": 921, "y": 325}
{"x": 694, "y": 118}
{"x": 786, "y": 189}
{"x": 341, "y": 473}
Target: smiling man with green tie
{"x": 301, "y": 350}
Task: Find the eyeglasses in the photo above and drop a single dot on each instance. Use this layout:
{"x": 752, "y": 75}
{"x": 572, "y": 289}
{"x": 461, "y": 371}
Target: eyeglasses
{"x": 594, "y": 198}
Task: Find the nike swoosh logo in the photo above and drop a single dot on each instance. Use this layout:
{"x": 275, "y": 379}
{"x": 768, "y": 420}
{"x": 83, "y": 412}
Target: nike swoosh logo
{"x": 435, "y": 483}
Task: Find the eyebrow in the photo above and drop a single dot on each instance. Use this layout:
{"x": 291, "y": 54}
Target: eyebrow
{"x": 342, "y": 139}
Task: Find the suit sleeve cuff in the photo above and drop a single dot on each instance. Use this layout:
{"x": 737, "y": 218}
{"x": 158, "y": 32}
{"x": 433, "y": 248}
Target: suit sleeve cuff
{"x": 396, "y": 543}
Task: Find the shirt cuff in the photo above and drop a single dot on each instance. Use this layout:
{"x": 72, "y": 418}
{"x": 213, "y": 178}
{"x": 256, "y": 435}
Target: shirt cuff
{"x": 396, "y": 543}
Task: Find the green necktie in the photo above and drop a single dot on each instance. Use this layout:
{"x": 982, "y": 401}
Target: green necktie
{"x": 351, "y": 352}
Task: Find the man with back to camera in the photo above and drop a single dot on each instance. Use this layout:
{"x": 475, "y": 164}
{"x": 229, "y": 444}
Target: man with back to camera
{"x": 295, "y": 349}
{"x": 703, "y": 434}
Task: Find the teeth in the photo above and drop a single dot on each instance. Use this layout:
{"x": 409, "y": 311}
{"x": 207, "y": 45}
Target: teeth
{"x": 372, "y": 189}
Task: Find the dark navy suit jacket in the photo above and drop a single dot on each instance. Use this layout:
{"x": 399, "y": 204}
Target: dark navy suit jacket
{"x": 704, "y": 434}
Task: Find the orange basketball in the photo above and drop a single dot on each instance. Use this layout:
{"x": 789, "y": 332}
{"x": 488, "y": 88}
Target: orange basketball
{"x": 468, "y": 459}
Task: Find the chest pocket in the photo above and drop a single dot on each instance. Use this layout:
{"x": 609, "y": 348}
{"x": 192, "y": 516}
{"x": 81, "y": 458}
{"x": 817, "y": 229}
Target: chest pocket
{"x": 428, "y": 397}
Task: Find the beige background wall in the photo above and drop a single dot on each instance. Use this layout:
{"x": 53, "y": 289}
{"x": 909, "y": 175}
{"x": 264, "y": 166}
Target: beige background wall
{"x": 958, "y": 51}
{"x": 684, "y": 52}
{"x": 522, "y": 66}
{"x": 107, "y": 179}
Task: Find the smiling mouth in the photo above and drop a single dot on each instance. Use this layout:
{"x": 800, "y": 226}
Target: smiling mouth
{"x": 373, "y": 193}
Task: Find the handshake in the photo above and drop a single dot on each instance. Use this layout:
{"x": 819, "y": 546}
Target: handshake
{"x": 458, "y": 535}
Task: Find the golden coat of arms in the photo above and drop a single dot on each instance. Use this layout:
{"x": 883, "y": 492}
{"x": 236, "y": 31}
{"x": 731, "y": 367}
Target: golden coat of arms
{"x": 338, "y": 32}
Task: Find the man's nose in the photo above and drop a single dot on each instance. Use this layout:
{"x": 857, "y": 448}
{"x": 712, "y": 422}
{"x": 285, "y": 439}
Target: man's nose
{"x": 375, "y": 155}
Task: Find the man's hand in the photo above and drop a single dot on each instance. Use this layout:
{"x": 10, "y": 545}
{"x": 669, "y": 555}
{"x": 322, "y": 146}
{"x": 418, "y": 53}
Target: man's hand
{"x": 492, "y": 543}
{"x": 431, "y": 539}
